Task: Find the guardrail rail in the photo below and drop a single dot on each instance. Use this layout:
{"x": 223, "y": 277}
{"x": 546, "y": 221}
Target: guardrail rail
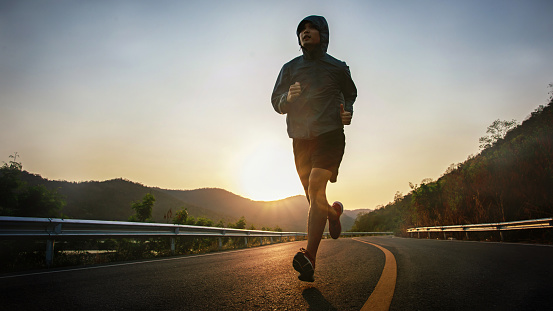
{"x": 52, "y": 229}
{"x": 543, "y": 223}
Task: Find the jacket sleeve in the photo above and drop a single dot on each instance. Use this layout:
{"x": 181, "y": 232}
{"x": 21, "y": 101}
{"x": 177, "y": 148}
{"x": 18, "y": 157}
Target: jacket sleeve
{"x": 280, "y": 92}
{"x": 348, "y": 90}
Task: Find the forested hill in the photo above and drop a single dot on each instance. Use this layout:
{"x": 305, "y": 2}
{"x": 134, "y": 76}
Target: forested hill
{"x": 511, "y": 179}
{"x": 111, "y": 200}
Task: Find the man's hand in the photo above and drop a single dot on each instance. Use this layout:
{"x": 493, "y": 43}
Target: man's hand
{"x": 294, "y": 92}
{"x": 345, "y": 115}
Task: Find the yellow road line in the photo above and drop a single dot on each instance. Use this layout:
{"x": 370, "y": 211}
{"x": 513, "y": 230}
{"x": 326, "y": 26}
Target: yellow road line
{"x": 381, "y": 297}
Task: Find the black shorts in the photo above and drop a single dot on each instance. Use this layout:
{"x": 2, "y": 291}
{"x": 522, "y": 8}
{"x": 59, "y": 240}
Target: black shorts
{"x": 325, "y": 151}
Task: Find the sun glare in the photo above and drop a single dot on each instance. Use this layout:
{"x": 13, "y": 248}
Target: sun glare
{"x": 267, "y": 172}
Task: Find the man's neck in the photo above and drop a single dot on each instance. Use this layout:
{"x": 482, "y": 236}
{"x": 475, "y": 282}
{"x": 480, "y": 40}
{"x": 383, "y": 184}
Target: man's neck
{"x": 313, "y": 52}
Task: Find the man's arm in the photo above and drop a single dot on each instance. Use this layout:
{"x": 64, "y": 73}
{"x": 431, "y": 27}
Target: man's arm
{"x": 349, "y": 91}
{"x": 280, "y": 95}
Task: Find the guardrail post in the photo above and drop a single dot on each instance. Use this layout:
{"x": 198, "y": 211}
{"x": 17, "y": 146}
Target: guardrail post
{"x": 49, "y": 253}
{"x": 173, "y": 241}
{"x": 172, "y": 245}
{"x": 221, "y": 240}
{"x": 500, "y": 233}
{"x": 271, "y": 240}
{"x": 260, "y": 240}
{"x": 56, "y": 230}
{"x": 445, "y": 236}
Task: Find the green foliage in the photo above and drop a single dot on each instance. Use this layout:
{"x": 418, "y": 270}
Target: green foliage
{"x": 143, "y": 210}
{"x": 240, "y": 224}
{"x": 496, "y": 131}
{"x": 204, "y": 222}
{"x": 387, "y": 218}
{"x": 39, "y": 201}
{"x": 220, "y": 224}
{"x": 511, "y": 179}
{"x": 10, "y": 184}
{"x": 17, "y": 198}
{"x": 276, "y": 229}
{"x": 181, "y": 217}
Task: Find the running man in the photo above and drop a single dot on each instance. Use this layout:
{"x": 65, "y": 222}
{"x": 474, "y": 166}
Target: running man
{"x": 316, "y": 92}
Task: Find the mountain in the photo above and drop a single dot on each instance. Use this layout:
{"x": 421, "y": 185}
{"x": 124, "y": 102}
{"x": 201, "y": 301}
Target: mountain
{"x": 289, "y": 214}
{"x": 111, "y": 200}
{"x": 349, "y": 216}
{"x": 353, "y": 213}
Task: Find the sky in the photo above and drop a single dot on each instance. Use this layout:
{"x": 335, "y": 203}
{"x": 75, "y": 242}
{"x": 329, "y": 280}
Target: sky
{"x": 176, "y": 94}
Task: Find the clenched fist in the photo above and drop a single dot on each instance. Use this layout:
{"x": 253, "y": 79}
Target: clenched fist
{"x": 294, "y": 92}
{"x": 345, "y": 115}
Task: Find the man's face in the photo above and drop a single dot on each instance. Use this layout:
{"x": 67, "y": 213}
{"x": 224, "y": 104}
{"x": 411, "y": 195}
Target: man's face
{"x": 309, "y": 36}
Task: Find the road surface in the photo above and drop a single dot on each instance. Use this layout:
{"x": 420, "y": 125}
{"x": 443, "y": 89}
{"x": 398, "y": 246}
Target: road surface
{"x": 431, "y": 275}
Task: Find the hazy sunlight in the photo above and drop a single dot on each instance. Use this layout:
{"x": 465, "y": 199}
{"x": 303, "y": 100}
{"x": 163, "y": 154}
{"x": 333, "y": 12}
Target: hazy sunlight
{"x": 266, "y": 172}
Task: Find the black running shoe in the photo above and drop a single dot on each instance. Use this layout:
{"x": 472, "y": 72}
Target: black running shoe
{"x": 305, "y": 265}
{"x": 334, "y": 225}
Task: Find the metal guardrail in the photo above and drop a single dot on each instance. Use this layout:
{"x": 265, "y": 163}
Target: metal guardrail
{"x": 52, "y": 229}
{"x": 543, "y": 223}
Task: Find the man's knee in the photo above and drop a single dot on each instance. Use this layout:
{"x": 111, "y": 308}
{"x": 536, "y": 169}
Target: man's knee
{"x": 317, "y": 184}
{"x": 319, "y": 178}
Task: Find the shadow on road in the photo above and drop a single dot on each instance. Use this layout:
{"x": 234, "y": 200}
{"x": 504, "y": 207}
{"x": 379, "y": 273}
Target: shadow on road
{"x": 316, "y": 300}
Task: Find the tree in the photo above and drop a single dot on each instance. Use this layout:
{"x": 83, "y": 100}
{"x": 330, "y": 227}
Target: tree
{"x": 496, "y": 131}
{"x": 204, "y": 222}
{"x": 240, "y": 224}
{"x": 38, "y": 201}
{"x": 220, "y": 224}
{"x": 17, "y": 198}
{"x": 143, "y": 209}
{"x": 181, "y": 217}
{"x": 9, "y": 184}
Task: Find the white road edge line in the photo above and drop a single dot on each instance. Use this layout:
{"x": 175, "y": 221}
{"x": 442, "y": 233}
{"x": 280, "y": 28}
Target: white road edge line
{"x": 123, "y": 264}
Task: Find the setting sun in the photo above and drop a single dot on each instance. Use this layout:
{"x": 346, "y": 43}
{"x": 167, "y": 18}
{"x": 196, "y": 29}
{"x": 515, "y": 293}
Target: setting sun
{"x": 266, "y": 172}
{"x": 178, "y": 96}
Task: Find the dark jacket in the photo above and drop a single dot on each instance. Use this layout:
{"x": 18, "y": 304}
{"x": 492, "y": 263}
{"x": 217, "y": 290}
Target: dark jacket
{"x": 326, "y": 83}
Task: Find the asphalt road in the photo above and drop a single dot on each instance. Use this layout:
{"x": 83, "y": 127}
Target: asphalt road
{"x": 431, "y": 275}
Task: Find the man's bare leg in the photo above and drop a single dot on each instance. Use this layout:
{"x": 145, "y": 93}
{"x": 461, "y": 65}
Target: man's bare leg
{"x": 318, "y": 208}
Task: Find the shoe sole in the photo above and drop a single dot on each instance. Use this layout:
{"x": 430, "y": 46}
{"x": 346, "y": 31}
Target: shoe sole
{"x": 335, "y": 225}
{"x": 303, "y": 266}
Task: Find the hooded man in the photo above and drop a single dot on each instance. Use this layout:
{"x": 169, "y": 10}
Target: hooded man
{"x": 316, "y": 92}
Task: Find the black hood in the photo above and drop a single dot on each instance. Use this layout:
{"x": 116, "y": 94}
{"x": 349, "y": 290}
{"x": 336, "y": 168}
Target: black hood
{"x": 321, "y": 25}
